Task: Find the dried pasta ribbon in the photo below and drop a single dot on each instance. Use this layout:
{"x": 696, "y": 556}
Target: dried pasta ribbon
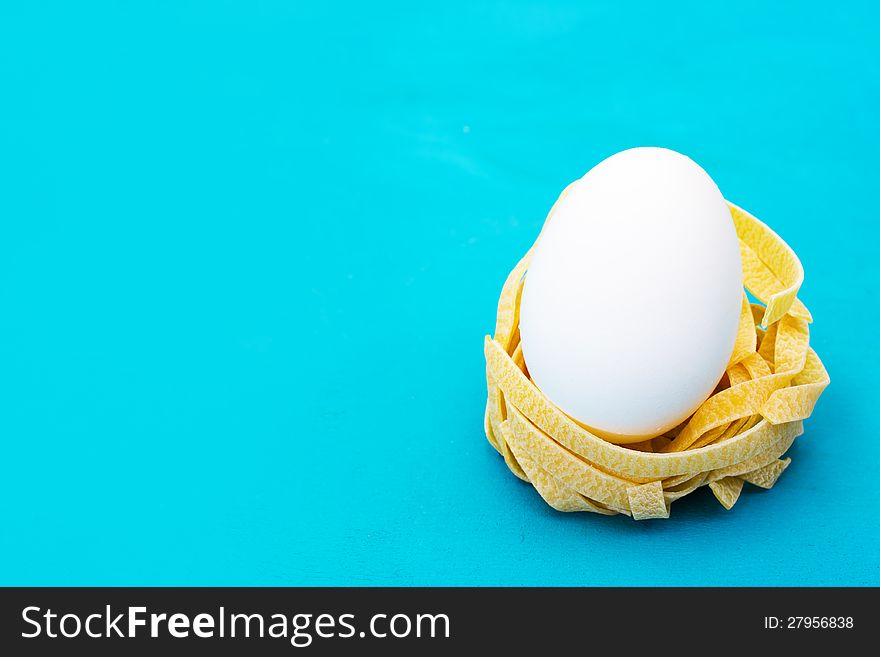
{"x": 771, "y": 269}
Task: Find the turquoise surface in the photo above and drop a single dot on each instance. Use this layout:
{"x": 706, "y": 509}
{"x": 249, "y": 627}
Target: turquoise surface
{"x": 249, "y": 252}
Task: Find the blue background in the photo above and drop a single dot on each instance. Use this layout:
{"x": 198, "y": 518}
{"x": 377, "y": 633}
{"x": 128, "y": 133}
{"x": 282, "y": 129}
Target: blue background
{"x": 249, "y": 251}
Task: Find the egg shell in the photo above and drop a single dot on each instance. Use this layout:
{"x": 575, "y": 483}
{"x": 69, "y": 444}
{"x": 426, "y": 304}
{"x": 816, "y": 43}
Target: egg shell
{"x": 631, "y": 303}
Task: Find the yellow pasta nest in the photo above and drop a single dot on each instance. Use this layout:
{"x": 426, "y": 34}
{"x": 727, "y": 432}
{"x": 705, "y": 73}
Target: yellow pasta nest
{"x": 740, "y": 433}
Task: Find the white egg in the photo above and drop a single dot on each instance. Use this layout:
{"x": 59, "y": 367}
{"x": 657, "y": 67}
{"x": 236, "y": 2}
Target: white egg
{"x": 631, "y": 303}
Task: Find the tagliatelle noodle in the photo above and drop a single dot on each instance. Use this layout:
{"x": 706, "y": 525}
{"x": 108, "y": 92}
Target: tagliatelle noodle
{"x": 739, "y": 434}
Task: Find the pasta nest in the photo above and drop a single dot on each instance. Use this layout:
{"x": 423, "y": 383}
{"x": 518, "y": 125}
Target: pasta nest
{"x": 741, "y": 433}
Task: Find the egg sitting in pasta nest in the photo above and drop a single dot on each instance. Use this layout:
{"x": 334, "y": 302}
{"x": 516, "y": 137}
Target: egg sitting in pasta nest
{"x": 740, "y": 433}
